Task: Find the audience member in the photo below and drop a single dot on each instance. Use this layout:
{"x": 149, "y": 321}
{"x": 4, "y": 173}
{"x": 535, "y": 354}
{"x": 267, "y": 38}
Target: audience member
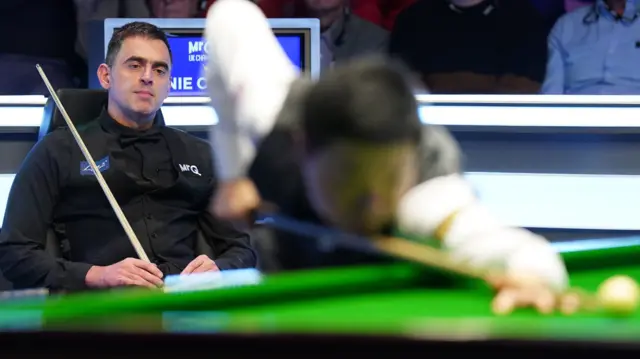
{"x": 174, "y": 8}
{"x": 89, "y": 11}
{"x": 570, "y": 5}
{"x": 595, "y": 50}
{"x": 36, "y": 32}
{"x": 379, "y": 12}
{"x": 473, "y": 46}
{"x": 344, "y": 34}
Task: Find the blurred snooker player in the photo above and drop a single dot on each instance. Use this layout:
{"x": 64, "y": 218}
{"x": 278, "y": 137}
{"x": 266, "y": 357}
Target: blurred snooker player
{"x": 350, "y": 151}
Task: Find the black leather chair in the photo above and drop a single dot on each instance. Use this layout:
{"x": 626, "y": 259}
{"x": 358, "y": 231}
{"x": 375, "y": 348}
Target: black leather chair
{"x": 83, "y": 106}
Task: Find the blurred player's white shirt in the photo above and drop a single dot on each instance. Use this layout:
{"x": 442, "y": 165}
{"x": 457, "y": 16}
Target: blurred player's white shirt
{"x": 254, "y": 88}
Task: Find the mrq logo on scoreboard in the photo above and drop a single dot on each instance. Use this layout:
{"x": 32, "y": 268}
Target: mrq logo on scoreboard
{"x": 198, "y": 51}
{"x": 190, "y": 56}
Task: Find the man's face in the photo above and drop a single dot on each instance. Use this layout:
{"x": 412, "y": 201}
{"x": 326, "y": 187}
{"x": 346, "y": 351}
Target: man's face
{"x": 357, "y": 186}
{"x": 139, "y": 79}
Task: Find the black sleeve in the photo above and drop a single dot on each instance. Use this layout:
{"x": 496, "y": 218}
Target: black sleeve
{"x": 29, "y": 214}
{"x": 275, "y": 170}
{"x": 232, "y": 248}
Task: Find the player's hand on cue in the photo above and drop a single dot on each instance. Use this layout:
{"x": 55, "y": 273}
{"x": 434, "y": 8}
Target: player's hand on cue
{"x": 128, "y": 272}
{"x": 521, "y": 291}
{"x": 235, "y": 201}
{"x": 201, "y": 264}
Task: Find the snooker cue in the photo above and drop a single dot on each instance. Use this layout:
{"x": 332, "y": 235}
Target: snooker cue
{"x": 393, "y": 246}
{"x": 396, "y": 247}
{"x": 401, "y": 248}
{"x": 433, "y": 257}
{"x": 105, "y": 188}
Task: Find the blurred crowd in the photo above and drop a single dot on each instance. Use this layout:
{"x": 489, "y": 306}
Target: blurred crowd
{"x": 455, "y": 46}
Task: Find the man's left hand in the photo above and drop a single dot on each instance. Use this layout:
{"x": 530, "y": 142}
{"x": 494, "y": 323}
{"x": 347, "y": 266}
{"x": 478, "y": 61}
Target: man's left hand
{"x": 201, "y": 264}
{"x": 522, "y": 291}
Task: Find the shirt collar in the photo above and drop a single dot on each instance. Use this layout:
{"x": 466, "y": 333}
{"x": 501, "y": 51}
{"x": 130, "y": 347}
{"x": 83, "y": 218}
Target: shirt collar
{"x": 484, "y": 8}
{"x": 112, "y": 126}
{"x": 632, "y": 7}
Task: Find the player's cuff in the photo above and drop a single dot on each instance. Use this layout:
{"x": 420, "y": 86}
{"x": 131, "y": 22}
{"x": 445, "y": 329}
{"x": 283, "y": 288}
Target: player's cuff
{"x": 445, "y": 227}
{"x": 477, "y": 237}
{"x": 538, "y": 258}
{"x": 446, "y": 208}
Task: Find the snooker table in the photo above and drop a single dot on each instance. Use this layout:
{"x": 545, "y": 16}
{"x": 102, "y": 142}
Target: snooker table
{"x": 394, "y": 309}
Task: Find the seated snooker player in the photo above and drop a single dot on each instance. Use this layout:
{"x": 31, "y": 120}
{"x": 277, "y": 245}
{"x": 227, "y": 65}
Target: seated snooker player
{"x": 349, "y": 151}
{"x": 140, "y": 161}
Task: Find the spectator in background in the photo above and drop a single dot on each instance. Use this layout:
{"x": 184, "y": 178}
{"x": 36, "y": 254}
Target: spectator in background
{"x": 95, "y": 10}
{"x": 174, "y": 8}
{"x": 596, "y": 50}
{"x": 89, "y": 11}
{"x": 473, "y": 46}
{"x": 344, "y": 34}
{"x": 380, "y": 12}
{"x": 570, "y": 5}
{"x": 36, "y": 32}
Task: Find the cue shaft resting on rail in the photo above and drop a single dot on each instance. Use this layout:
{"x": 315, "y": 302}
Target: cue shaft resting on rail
{"x": 399, "y": 248}
{"x": 403, "y": 249}
{"x": 393, "y": 246}
{"x": 424, "y": 254}
{"x": 105, "y": 188}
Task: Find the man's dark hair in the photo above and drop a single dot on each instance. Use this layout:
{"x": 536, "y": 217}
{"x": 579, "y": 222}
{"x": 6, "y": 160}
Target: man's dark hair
{"x": 133, "y": 29}
{"x": 369, "y": 100}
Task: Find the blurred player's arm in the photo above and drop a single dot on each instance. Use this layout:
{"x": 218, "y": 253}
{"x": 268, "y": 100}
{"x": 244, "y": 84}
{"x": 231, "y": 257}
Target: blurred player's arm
{"x": 445, "y": 206}
{"x": 23, "y": 257}
{"x": 249, "y": 77}
{"x": 231, "y": 247}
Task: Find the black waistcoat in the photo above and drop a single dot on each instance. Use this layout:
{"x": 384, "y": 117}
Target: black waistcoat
{"x": 163, "y": 215}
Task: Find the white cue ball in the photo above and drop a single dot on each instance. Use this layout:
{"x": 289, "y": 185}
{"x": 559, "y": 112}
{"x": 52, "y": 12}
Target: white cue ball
{"x": 619, "y": 295}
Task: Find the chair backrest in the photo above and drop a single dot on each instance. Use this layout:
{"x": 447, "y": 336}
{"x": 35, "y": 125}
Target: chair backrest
{"x": 83, "y": 106}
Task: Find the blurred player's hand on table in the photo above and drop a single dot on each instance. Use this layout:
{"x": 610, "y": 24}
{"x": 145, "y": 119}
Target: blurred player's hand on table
{"x": 235, "y": 201}
{"x": 515, "y": 291}
{"x": 201, "y": 264}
